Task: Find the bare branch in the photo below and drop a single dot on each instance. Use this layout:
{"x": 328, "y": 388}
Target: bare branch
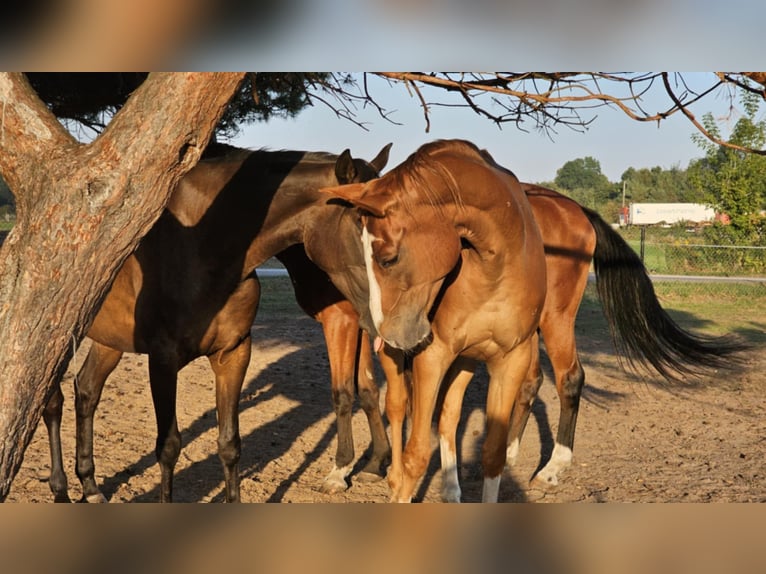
{"x": 424, "y": 104}
{"x": 699, "y": 126}
{"x": 558, "y": 98}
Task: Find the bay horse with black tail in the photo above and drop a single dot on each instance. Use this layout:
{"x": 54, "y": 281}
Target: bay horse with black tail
{"x": 644, "y": 335}
{"x": 456, "y": 273}
{"x": 191, "y": 290}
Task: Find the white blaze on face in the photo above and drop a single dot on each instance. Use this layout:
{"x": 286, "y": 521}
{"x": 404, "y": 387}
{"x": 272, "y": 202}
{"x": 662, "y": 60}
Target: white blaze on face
{"x": 376, "y": 305}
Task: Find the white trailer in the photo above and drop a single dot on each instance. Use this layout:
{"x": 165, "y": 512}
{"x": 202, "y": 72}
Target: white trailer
{"x": 652, "y": 213}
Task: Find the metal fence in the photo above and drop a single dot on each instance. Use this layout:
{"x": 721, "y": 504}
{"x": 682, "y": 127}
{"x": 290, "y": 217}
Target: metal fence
{"x": 706, "y": 269}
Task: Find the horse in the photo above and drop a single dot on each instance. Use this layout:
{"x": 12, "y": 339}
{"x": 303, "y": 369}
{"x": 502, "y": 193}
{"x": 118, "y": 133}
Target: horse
{"x": 456, "y": 272}
{"x": 643, "y": 333}
{"x": 645, "y": 336}
{"x": 190, "y": 290}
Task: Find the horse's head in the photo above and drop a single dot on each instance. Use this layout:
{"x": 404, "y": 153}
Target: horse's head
{"x": 408, "y": 251}
{"x": 342, "y": 258}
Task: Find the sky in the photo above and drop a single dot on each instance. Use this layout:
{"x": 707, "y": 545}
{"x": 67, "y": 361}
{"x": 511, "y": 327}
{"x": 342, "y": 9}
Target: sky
{"x": 613, "y": 139}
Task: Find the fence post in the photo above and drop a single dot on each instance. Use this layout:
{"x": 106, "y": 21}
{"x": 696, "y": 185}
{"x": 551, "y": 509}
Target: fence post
{"x": 643, "y": 239}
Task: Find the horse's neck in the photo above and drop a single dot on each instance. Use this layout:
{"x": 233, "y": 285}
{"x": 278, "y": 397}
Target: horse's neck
{"x": 486, "y": 231}
{"x": 250, "y": 209}
{"x": 292, "y": 211}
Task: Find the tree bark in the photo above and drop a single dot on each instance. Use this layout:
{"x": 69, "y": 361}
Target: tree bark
{"x": 81, "y": 210}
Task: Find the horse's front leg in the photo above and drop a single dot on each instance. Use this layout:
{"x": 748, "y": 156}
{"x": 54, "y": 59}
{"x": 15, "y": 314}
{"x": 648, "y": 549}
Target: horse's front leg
{"x": 505, "y": 377}
{"x": 52, "y": 417}
{"x": 369, "y": 399}
{"x": 341, "y": 333}
{"x": 163, "y": 378}
{"x": 229, "y": 368}
{"x": 98, "y": 365}
{"x": 522, "y": 407}
{"x": 428, "y": 370}
{"x": 456, "y": 380}
{"x": 397, "y": 398}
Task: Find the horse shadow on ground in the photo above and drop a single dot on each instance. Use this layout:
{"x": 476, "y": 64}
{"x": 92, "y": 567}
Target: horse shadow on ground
{"x": 311, "y": 400}
{"x": 311, "y": 403}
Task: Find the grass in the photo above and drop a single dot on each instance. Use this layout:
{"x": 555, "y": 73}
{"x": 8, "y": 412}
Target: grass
{"x": 278, "y": 299}
{"x": 711, "y": 308}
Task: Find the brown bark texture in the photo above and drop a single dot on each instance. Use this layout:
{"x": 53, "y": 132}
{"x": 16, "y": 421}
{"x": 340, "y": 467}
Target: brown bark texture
{"x": 81, "y": 210}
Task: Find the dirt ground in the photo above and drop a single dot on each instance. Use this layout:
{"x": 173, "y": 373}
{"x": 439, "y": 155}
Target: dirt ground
{"x": 636, "y": 441}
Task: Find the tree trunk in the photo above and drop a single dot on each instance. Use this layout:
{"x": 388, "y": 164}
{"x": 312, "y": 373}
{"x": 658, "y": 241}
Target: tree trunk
{"x": 81, "y": 210}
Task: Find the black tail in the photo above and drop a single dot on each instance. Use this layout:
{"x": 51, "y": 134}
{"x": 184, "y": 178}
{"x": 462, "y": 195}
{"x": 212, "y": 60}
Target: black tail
{"x": 642, "y": 331}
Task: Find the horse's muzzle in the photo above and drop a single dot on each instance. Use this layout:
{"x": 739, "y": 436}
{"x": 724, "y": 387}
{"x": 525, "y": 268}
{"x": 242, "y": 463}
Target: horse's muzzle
{"x": 406, "y": 335}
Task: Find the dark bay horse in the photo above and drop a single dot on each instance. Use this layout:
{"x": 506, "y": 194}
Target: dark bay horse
{"x": 456, "y": 273}
{"x": 191, "y": 290}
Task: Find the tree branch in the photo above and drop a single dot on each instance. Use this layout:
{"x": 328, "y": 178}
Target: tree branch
{"x": 564, "y": 94}
{"x": 690, "y": 116}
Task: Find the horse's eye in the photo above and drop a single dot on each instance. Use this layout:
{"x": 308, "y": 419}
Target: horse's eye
{"x": 389, "y": 261}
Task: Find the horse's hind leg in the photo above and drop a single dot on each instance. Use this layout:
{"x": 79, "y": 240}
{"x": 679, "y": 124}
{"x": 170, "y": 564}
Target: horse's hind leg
{"x": 98, "y": 365}
{"x": 369, "y": 399}
{"x": 229, "y": 368}
{"x": 163, "y": 378}
{"x": 52, "y": 418}
{"x": 570, "y": 378}
{"x": 523, "y": 406}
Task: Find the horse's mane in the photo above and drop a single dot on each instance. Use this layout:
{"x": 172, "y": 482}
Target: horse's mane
{"x": 423, "y": 171}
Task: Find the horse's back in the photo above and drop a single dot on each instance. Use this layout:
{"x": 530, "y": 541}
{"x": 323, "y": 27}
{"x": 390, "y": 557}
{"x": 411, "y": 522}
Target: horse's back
{"x": 565, "y": 229}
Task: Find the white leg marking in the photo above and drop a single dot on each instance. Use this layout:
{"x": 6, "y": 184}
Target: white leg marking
{"x": 512, "y": 452}
{"x": 336, "y": 481}
{"x": 450, "y": 482}
{"x": 561, "y": 458}
{"x": 376, "y": 306}
{"x": 491, "y": 489}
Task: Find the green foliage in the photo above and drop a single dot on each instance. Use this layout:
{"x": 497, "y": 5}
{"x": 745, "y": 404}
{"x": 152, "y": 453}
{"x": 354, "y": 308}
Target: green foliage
{"x": 731, "y": 180}
{"x": 265, "y": 95}
{"x": 582, "y": 180}
{"x": 658, "y": 185}
{"x": 581, "y": 173}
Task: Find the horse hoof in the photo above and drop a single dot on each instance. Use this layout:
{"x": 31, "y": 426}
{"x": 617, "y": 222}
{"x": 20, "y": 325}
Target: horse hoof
{"x": 333, "y": 486}
{"x": 545, "y": 480}
{"x": 97, "y": 498}
{"x": 451, "y": 495}
{"x": 367, "y": 477}
{"x": 60, "y": 498}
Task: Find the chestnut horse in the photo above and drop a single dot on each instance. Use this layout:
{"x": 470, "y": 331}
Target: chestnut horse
{"x": 190, "y": 289}
{"x": 456, "y": 273}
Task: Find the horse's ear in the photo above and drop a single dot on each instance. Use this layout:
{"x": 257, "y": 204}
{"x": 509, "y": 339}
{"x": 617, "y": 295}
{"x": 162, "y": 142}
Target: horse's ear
{"x": 345, "y": 171}
{"x": 360, "y": 195}
{"x": 381, "y": 159}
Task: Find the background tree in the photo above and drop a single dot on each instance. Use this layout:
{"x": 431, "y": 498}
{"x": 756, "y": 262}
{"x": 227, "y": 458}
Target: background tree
{"x": 582, "y": 180}
{"x": 658, "y": 185}
{"x": 734, "y": 181}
